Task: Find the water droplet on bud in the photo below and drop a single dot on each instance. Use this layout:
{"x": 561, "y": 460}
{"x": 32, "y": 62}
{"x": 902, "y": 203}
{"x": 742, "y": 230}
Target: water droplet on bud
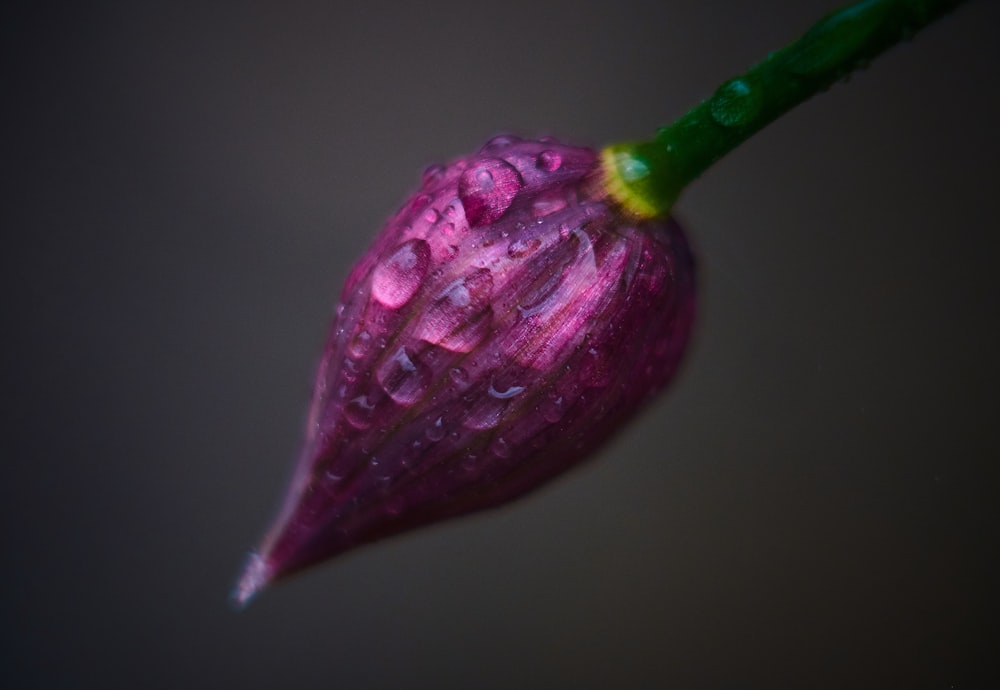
{"x": 518, "y": 249}
{"x": 459, "y": 316}
{"x": 361, "y": 343}
{"x": 500, "y": 448}
{"x": 359, "y": 412}
{"x": 397, "y": 279}
{"x": 460, "y": 377}
{"x": 488, "y": 189}
{"x": 403, "y": 377}
{"x": 546, "y": 206}
{"x": 549, "y": 161}
{"x": 500, "y": 141}
{"x": 435, "y": 432}
{"x": 735, "y": 103}
{"x": 433, "y": 174}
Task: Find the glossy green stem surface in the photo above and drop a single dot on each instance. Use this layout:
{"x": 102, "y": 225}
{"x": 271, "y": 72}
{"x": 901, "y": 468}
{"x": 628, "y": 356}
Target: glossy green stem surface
{"x": 647, "y": 177}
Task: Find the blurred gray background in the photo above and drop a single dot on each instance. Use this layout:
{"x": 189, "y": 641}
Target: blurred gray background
{"x": 814, "y": 503}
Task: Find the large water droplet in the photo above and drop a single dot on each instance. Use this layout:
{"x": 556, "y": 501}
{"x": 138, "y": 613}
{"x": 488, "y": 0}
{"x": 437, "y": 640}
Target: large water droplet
{"x": 539, "y": 295}
{"x": 736, "y": 103}
{"x": 397, "y": 278}
{"x": 488, "y": 189}
{"x": 403, "y": 377}
{"x": 549, "y": 161}
{"x": 459, "y": 316}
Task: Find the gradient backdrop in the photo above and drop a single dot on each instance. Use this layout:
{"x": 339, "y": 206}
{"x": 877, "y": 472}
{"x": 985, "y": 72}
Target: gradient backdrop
{"x": 815, "y": 503}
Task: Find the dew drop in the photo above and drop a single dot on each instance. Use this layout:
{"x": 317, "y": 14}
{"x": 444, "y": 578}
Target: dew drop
{"x": 735, "y": 103}
{"x": 488, "y": 189}
{"x": 830, "y": 42}
{"x": 332, "y": 482}
{"x": 500, "y": 448}
{"x": 419, "y": 202}
{"x": 431, "y": 216}
{"x": 403, "y": 378}
{"x": 360, "y": 344}
{"x": 396, "y": 279}
{"x": 552, "y": 409}
{"x": 460, "y": 315}
{"x": 547, "y": 206}
{"x": 549, "y": 161}
{"x": 459, "y": 376}
{"x": 435, "y": 432}
{"x": 433, "y": 173}
{"x": 518, "y": 249}
{"x": 411, "y": 457}
{"x": 631, "y": 168}
{"x": 500, "y": 141}
{"x": 470, "y": 462}
{"x": 359, "y": 412}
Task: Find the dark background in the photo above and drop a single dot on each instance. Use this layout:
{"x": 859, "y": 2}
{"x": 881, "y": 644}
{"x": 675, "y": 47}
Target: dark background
{"x": 815, "y": 502}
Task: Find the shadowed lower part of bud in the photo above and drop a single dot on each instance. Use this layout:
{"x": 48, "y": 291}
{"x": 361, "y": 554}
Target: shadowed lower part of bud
{"x": 504, "y": 324}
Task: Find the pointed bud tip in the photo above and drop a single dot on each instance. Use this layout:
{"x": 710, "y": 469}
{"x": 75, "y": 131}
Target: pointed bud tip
{"x": 254, "y": 579}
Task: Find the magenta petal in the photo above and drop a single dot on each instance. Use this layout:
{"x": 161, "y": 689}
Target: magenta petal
{"x": 504, "y": 324}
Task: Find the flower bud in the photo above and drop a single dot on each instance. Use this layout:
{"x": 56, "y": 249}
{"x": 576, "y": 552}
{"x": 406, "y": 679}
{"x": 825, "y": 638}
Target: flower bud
{"x": 505, "y": 322}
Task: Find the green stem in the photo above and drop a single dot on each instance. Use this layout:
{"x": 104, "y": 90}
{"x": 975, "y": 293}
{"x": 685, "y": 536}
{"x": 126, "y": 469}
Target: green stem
{"x": 647, "y": 177}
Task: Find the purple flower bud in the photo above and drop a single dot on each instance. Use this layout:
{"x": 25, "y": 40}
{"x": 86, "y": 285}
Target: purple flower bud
{"x": 504, "y": 324}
